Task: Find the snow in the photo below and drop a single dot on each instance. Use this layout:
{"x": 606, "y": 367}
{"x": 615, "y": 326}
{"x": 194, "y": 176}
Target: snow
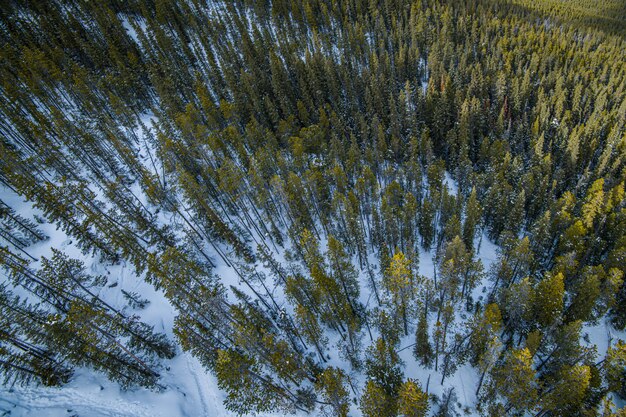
{"x": 465, "y": 380}
{"x": 188, "y": 389}
{"x": 130, "y": 29}
{"x": 424, "y": 67}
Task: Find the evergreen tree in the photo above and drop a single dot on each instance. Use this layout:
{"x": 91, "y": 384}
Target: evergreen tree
{"x": 331, "y": 385}
{"x": 382, "y": 366}
{"x": 514, "y": 380}
{"x": 473, "y": 213}
{"x": 423, "y": 351}
{"x": 375, "y": 401}
{"x": 285, "y": 125}
{"x": 568, "y": 394}
{"x": 247, "y": 389}
{"x": 412, "y": 401}
{"x": 548, "y": 299}
{"x": 25, "y": 353}
{"x": 402, "y": 286}
{"x": 614, "y": 367}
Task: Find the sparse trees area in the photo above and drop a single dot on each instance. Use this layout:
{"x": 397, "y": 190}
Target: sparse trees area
{"x": 347, "y": 162}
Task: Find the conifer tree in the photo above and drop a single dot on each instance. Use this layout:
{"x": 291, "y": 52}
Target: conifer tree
{"x": 614, "y": 367}
{"x": 375, "y": 401}
{"x": 25, "y": 353}
{"x": 423, "y": 351}
{"x": 402, "y": 286}
{"x": 247, "y": 389}
{"x": 311, "y": 330}
{"x": 548, "y": 299}
{"x": 87, "y": 331}
{"x": 514, "y": 380}
{"x": 567, "y": 394}
{"x": 343, "y": 272}
{"x": 412, "y": 401}
{"x": 382, "y": 366}
{"x": 332, "y": 387}
{"x": 483, "y": 330}
{"x": 294, "y": 124}
{"x": 518, "y": 305}
{"x": 473, "y": 213}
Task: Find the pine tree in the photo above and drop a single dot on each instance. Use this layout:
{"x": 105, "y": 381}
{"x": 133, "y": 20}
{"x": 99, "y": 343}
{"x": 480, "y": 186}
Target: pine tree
{"x": 67, "y": 278}
{"x": 562, "y": 347}
{"x": 267, "y": 114}
{"x": 458, "y": 269}
{"x": 515, "y": 261}
{"x": 585, "y": 296}
{"x": 412, "y": 401}
{"x": 473, "y": 213}
{"x": 376, "y": 402}
{"x": 426, "y": 221}
{"x": 447, "y": 404}
{"x": 593, "y": 204}
{"x": 330, "y": 292}
{"x": 25, "y": 353}
{"x": 614, "y": 367}
{"x": 247, "y": 389}
{"x": 401, "y": 285}
{"x": 568, "y": 392}
{"x": 311, "y": 330}
{"x": 84, "y": 329}
{"x": 548, "y": 299}
{"x": 382, "y": 366}
{"x": 423, "y": 351}
{"x": 518, "y": 305}
{"x": 343, "y": 272}
{"x": 484, "y": 328}
{"x": 332, "y": 387}
{"x": 514, "y": 380}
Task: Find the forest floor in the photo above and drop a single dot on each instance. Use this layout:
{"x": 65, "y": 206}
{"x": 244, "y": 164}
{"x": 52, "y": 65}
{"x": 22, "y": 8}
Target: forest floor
{"x": 189, "y": 390}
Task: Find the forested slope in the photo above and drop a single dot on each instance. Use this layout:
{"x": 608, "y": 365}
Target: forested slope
{"x": 346, "y": 162}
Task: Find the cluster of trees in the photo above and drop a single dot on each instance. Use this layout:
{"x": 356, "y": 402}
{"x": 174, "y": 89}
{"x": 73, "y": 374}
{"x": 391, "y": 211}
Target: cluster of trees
{"x": 70, "y": 325}
{"x": 310, "y": 147}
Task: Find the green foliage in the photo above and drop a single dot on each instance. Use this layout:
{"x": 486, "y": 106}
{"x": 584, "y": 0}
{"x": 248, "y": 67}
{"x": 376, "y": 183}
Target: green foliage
{"x": 325, "y": 134}
{"x": 615, "y": 367}
{"x": 484, "y": 329}
{"x": 332, "y": 386}
{"x": 412, "y": 401}
{"x": 247, "y": 391}
{"x": 570, "y": 390}
{"x": 375, "y": 401}
{"x": 401, "y": 284}
{"x": 382, "y": 366}
{"x": 514, "y": 380}
{"x": 548, "y": 299}
{"x": 423, "y": 350}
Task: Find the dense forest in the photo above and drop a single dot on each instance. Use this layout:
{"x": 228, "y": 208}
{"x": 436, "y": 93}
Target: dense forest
{"x": 346, "y": 163}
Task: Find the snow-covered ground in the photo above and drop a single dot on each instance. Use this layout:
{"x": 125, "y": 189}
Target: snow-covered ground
{"x": 189, "y": 389}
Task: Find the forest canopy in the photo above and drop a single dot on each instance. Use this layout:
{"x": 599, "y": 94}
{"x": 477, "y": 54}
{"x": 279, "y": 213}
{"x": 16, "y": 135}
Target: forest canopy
{"x": 347, "y": 202}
